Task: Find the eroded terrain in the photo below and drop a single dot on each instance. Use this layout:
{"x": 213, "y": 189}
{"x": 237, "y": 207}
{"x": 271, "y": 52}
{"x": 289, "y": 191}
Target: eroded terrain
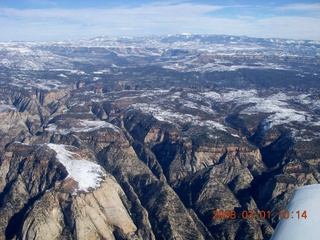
{"x": 144, "y": 138}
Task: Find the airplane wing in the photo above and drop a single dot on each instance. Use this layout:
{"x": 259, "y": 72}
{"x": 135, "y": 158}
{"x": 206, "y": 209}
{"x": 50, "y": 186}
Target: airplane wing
{"x": 301, "y": 219}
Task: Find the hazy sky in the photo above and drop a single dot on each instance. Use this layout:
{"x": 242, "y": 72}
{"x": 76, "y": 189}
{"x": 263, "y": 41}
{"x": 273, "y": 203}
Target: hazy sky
{"x": 24, "y": 20}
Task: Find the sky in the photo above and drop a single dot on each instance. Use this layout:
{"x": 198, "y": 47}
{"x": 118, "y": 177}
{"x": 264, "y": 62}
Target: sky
{"x": 52, "y": 20}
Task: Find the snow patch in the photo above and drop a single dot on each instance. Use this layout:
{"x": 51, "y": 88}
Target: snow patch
{"x": 275, "y": 105}
{"x": 6, "y": 107}
{"x": 87, "y": 174}
{"x": 81, "y": 126}
{"x": 278, "y": 108}
{"x": 240, "y": 96}
{"x": 171, "y": 116}
{"x": 62, "y": 75}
